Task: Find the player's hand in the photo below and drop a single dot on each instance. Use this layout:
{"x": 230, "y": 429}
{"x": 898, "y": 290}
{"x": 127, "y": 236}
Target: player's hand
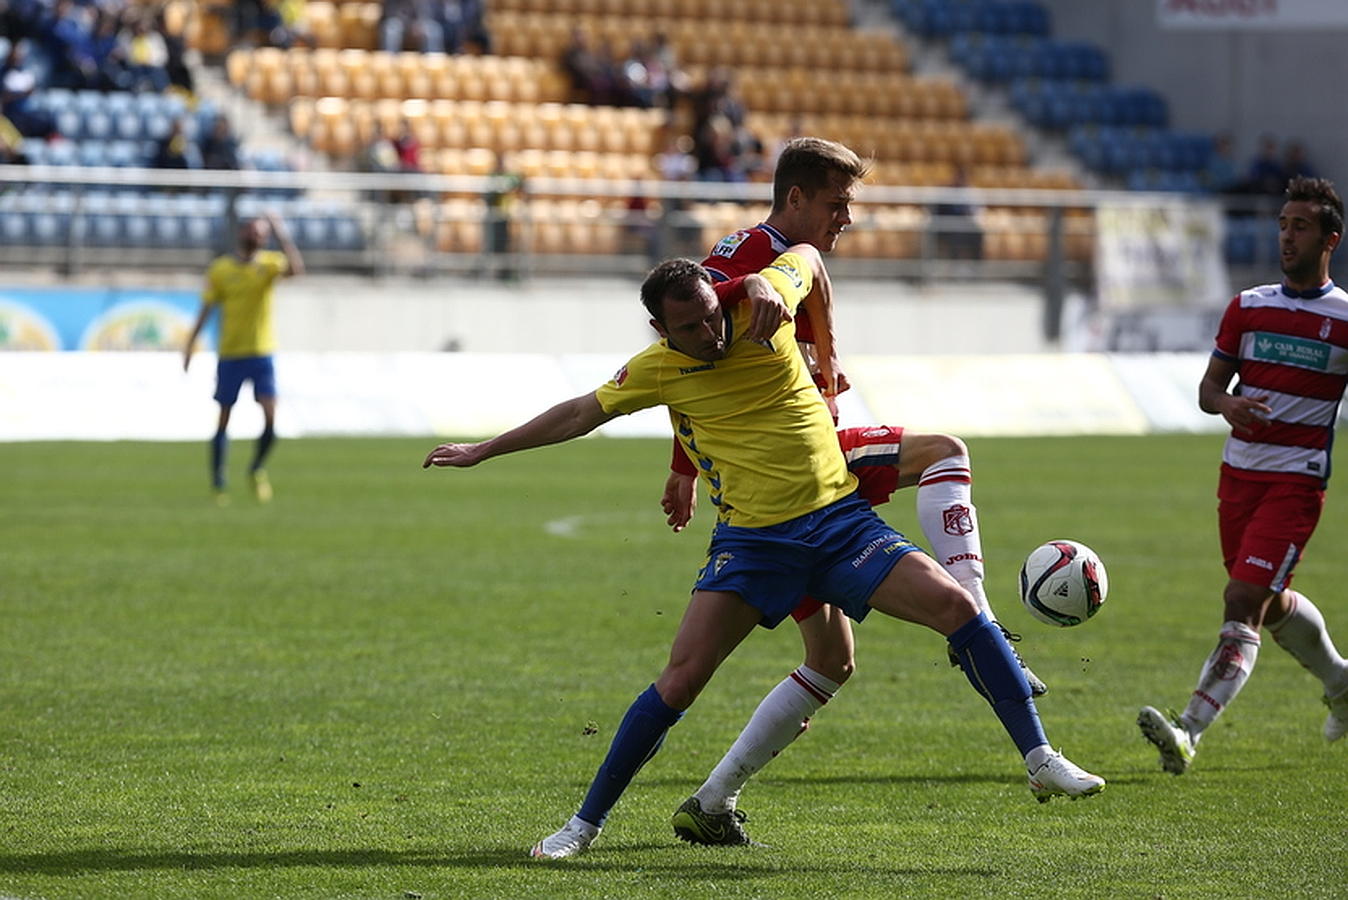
{"x": 767, "y": 309}
{"x": 458, "y": 456}
{"x": 1246, "y": 413}
{"x": 679, "y": 500}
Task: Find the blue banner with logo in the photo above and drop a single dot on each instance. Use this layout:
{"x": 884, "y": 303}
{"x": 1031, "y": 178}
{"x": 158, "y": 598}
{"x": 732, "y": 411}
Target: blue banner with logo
{"x": 99, "y": 319}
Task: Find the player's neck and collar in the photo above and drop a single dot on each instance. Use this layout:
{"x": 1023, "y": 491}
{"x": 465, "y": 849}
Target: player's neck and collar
{"x": 1303, "y": 291}
{"x": 775, "y": 230}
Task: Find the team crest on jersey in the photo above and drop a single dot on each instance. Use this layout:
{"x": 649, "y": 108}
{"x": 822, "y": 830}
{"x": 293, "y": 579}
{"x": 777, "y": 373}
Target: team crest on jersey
{"x": 730, "y": 243}
{"x": 620, "y": 376}
{"x": 957, "y": 519}
{"x": 1325, "y": 328}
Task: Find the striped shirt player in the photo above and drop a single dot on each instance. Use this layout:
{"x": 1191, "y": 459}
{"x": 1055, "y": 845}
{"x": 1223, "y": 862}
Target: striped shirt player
{"x": 1290, "y": 348}
{"x": 1285, "y": 346}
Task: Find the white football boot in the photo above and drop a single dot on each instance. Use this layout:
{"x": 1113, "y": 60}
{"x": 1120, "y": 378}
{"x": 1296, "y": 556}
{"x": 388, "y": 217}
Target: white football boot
{"x": 1336, "y": 723}
{"x": 1059, "y": 776}
{"x": 1169, "y": 736}
{"x": 572, "y": 838}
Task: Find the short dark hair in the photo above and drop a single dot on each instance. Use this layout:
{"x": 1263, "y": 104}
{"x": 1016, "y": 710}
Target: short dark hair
{"x": 809, "y": 163}
{"x": 674, "y": 278}
{"x": 1319, "y": 192}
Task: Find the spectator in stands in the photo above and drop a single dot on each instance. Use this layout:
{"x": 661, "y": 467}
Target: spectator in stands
{"x": 665, "y": 62}
{"x": 715, "y": 150}
{"x": 502, "y": 197}
{"x": 639, "y": 232}
{"x": 1221, "y": 175}
{"x": 958, "y": 235}
{"x": 176, "y": 70}
{"x": 410, "y": 25}
{"x": 676, "y": 161}
{"x": 175, "y": 151}
{"x": 146, "y": 55}
{"x": 11, "y": 145}
{"x": 220, "y": 148}
{"x": 18, "y": 80}
{"x": 1294, "y": 162}
{"x": 590, "y": 69}
{"x": 379, "y": 155}
{"x": 283, "y": 23}
{"x": 408, "y": 148}
{"x": 462, "y": 22}
{"x": 70, "y": 36}
{"x": 1265, "y": 176}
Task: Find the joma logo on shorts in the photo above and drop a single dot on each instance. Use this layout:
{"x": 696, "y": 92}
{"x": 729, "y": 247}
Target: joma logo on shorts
{"x": 1261, "y": 563}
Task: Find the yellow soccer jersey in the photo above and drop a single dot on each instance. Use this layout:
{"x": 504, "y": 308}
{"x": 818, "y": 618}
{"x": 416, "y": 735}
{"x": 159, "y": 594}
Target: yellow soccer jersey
{"x": 243, "y": 292}
{"x": 753, "y": 422}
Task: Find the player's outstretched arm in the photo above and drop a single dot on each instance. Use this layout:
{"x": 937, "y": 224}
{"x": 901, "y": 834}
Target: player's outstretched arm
{"x": 818, "y": 304}
{"x": 568, "y": 419}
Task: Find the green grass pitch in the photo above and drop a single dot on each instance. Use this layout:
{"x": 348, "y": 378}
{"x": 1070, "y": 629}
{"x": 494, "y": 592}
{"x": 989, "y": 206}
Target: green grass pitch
{"x": 390, "y": 682}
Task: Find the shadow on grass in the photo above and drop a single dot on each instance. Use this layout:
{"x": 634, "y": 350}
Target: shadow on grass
{"x": 728, "y": 863}
{"x": 925, "y": 778}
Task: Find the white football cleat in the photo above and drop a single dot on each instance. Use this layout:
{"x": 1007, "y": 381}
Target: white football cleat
{"x": 1336, "y": 723}
{"x": 573, "y": 838}
{"x": 1170, "y": 737}
{"x": 1059, "y": 776}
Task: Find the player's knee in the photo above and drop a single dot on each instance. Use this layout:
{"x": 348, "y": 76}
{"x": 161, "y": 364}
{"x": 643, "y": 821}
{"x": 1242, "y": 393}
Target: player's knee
{"x": 679, "y": 686}
{"x": 925, "y": 450}
{"x": 955, "y": 607}
{"x": 1245, "y": 602}
{"x": 837, "y": 667}
{"x": 947, "y": 445}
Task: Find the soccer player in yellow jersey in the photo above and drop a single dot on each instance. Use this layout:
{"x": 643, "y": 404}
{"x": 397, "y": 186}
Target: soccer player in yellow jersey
{"x": 239, "y": 285}
{"x": 789, "y": 518}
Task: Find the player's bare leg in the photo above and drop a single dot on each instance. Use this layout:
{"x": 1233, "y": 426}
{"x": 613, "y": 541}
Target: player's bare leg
{"x": 938, "y": 465}
{"x": 220, "y": 455}
{"x": 256, "y": 472}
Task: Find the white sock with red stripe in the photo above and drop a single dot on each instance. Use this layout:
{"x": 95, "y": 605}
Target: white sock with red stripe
{"x": 946, "y": 513}
{"x": 1303, "y": 634}
{"x": 781, "y": 717}
{"x": 1223, "y": 675}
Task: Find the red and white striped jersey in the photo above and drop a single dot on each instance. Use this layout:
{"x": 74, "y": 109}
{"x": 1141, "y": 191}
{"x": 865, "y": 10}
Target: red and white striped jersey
{"x": 752, "y": 250}
{"x": 1291, "y": 346}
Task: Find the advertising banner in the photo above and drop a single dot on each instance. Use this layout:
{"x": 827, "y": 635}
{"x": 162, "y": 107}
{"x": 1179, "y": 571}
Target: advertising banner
{"x": 1160, "y": 255}
{"x": 1265, "y": 15}
{"x": 98, "y": 319}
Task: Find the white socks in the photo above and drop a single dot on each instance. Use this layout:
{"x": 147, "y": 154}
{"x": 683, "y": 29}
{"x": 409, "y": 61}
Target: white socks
{"x": 1302, "y": 633}
{"x": 946, "y": 514}
{"x": 780, "y": 718}
{"x": 1223, "y": 675}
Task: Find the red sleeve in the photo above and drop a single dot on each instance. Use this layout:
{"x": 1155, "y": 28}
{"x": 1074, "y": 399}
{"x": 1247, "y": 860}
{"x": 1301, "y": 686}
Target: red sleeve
{"x": 730, "y": 292}
{"x": 1229, "y": 332}
{"x": 680, "y": 462}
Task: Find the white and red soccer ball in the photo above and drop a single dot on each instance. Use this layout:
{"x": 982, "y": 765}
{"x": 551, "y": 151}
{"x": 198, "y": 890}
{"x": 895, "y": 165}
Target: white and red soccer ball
{"x": 1063, "y": 583}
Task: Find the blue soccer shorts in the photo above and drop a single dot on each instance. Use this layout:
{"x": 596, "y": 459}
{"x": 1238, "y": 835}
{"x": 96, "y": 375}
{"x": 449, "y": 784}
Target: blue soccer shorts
{"x": 839, "y": 554}
{"x": 230, "y": 374}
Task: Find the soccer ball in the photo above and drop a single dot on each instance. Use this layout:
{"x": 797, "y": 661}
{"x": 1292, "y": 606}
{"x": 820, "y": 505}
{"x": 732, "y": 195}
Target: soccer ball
{"x": 1063, "y": 583}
